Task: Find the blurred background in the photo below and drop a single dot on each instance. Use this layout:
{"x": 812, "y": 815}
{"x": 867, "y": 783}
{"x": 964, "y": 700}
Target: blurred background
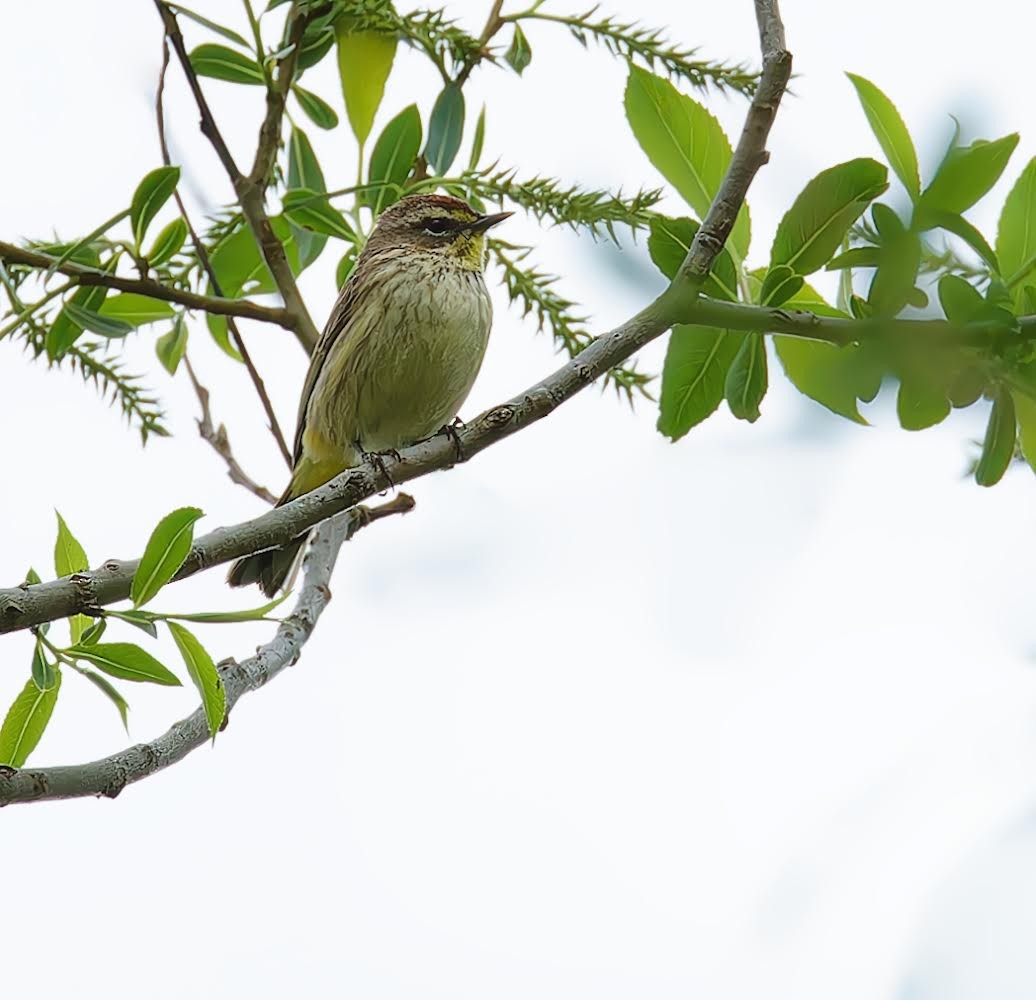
{"x": 750, "y": 715}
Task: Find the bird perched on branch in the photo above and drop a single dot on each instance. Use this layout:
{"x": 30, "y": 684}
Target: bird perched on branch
{"x": 397, "y": 357}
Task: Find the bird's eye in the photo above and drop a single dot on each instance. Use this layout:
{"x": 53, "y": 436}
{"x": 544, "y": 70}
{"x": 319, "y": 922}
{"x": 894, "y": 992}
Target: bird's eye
{"x": 438, "y": 227}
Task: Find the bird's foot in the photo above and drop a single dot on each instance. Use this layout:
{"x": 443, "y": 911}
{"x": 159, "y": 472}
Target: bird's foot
{"x": 450, "y": 430}
{"x": 377, "y": 459}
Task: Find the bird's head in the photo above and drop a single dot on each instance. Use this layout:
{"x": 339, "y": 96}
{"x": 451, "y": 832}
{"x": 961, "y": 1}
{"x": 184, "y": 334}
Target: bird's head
{"x": 437, "y": 224}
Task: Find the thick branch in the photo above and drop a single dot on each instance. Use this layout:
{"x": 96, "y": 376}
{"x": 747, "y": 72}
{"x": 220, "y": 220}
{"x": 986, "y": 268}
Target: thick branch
{"x": 111, "y": 775}
{"x": 249, "y": 195}
{"x": 147, "y": 286}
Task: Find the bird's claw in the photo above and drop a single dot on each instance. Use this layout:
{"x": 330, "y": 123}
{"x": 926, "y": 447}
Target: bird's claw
{"x": 450, "y": 430}
{"x": 377, "y": 459}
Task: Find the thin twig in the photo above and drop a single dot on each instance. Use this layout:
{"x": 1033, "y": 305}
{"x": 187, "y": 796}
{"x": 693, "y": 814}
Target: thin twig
{"x": 249, "y": 195}
{"x": 108, "y": 777}
{"x": 84, "y": 275}
{"x": 203, "y": 255}
{"x": 217, "y": 438}
{"x": 494, "y": 22}
{"x": 276, "y": 97}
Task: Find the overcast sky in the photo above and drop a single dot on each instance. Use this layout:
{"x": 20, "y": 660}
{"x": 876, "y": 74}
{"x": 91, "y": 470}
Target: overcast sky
{"x": 749, "y": 716}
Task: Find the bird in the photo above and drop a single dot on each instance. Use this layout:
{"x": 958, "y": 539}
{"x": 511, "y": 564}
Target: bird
{"x": 400, "y": 352}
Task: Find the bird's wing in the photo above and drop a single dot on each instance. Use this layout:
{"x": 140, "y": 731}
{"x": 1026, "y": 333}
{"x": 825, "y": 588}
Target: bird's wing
{"x": 337, "y": 323}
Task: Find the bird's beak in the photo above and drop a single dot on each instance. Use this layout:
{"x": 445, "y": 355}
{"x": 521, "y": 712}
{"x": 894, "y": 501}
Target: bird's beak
{"x": 484, "y": 222}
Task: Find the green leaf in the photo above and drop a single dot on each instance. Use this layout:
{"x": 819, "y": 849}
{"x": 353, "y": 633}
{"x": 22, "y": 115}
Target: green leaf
{"x": 143, "y": 620}
{"x": 64, "y": 331}
{"x": 888, "y": 224}
{"x": 856, "y": 257}
{"x": 112, "y": 693}
{"x": 317, "y": 40}
{"x": 241, "y": 269}
{"x": 152, "y": 193}
{"x": 103, "y": 326}
{"x": 1025, "y": 410}
{"x": 967, "y": 386}
{"x": 69, "y": 558}
{"x": 303, "y": 166}
{"x": 125, "y": 660}
{"x": 310, "y": 210}
{"x": 445, "y": 129}
{"x": 685, "y": 144}
{"x": 893, "y": 283}
{"x": 43, "y": 671}
{"x": 479, "y": 140}
{"x": 668, "y": 243}
{"x": 26, "y": 720}
{"x": 204, "y": 674}
{"x": 211, "y": 25}
{"x": 172, "y": 346}
{"x": 135, "y": 310}
{"x": 998, "y": 446}
{"x": 964, "y": 177}
{"x": 779, "y": 285}
{"x": 167, "y": 548}
{"x": 921, "y": 404}
{"x": 221, "y": 63}
{"x": 818, "y": 220}
{"x": 835, "y": 377}
{"x": 960, "y": 300}
{"x": 167, "y": 243}
{"x": 364, "y": 63}
{"x": 393, "y": 156}
{"x": 746, "y": 379}
{"x": 1016, "y": 234}
{"x": 519, "y": 52}
{"x": 890, "y": 131}
{"x": 94, "y": 632}
{"x": 69, "y": 555}
{"x": 963, "y": 229}
{"x": 693, "y": 377}
{"x": 304, "y": 172}
{"x": 319, "y": 112}
{"x": 224, "y": 617}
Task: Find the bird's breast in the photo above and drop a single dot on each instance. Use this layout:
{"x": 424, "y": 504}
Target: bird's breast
{"x": 410, "y": 371}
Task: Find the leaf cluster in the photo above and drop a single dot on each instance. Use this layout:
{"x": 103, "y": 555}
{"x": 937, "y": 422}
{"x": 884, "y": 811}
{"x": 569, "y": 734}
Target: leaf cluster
{"x": 888, "y": 268}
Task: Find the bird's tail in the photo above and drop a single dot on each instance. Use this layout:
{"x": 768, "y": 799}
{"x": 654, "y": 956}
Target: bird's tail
{"x": 270, "y": 569}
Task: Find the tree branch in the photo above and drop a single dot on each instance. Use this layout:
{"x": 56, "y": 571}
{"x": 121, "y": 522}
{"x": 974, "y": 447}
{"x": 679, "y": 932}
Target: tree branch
{"x": 203, "y": 255}
{"x": 217, "y": 438}
{"x": 749, "y": 155}
{"x": 842, "y": 331}
{"x": 276, "y": 96}
{"x": 109, "y": 776}
{"x": 249, "y": 195}
{"x": 83, "y": 275}
{"x": 494, "y": 22}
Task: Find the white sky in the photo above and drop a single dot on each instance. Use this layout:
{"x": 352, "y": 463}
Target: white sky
{"x": 754, "y": 715}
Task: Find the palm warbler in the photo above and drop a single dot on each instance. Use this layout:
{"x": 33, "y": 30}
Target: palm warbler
{"x": 398, "y": 356}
